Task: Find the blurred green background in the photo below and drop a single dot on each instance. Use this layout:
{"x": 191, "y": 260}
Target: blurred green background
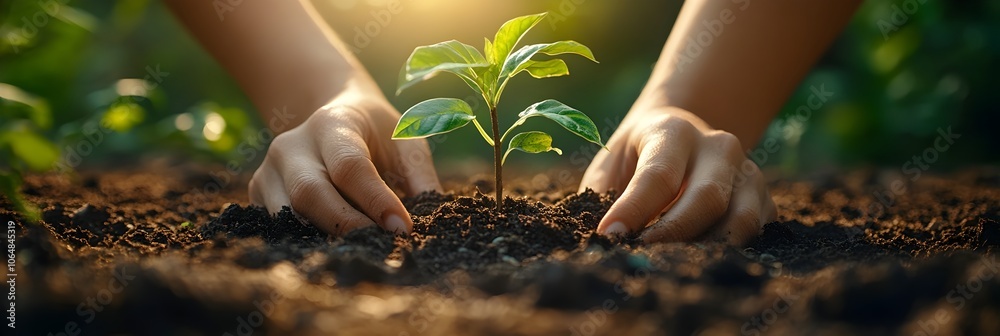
{"x": 66, "y": 68}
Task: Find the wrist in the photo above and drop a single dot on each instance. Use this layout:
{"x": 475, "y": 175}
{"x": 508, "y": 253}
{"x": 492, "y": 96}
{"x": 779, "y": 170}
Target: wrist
{"x": 304, "y": 95}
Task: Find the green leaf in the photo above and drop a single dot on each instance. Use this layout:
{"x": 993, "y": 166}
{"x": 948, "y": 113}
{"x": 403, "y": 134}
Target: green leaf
{"x": 531, "y": 142}
{"x": 433, "y": 116}
{"x": 449, "y": 56}
{"x": 488, "y": 79}
{"x": 569, "y": 118}
{"x": 509, "y": 34}
{"x": 519, "y": 57}
{"x": 35, "y": 151}
{"x": 18, "y": 104}
{"x": 488, "y": 49}
{"x": 10, "y": 187}
{"x": 543, "y": 69}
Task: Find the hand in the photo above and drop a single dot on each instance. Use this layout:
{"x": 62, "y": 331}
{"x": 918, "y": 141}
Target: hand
{"x": 328, "y": 168}
{"x": 667, "y": 159}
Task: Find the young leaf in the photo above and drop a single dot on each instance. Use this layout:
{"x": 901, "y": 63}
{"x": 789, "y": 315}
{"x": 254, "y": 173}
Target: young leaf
{"x": 531, "y": 142}
{"x": 509, "y": 34}
{"x": 567, "y": 117}
{"x": 433, "y": 116}
{"x": 543, "y": 69}
{"x": 450, "y": 56}
{"x": 525, "y": 54}
{"x": 488, "y": 49}
{"x": 37, "y": 153}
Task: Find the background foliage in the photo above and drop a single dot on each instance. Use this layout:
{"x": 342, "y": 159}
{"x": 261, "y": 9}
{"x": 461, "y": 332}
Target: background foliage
{"x": 125, "y": 78}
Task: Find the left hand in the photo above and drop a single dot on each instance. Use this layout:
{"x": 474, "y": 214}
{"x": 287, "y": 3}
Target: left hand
{"x": 668, "y": 159}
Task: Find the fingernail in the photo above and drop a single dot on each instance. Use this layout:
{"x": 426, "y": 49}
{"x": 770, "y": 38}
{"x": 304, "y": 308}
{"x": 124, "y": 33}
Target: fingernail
{"x": 615, "y": 229}
{"x": 395, "y": 224}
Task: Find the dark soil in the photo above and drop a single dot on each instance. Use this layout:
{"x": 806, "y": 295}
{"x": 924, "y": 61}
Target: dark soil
{"x": 162, "y": 253}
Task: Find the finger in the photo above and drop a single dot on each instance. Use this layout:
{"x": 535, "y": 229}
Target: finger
{"x": 352, "y": 172}
{"x": 417, "y": 167}
{"x": 702, "y": 204}
{"x": 600, "y": 173}
{"x": 296, "y": 179}
{"x": 750, "y": 209}
{"x": 706, "y": 198}
{"x": 659, "y": 173}
{"x": 267, "y": 189}
{"x": 313, "y": 196}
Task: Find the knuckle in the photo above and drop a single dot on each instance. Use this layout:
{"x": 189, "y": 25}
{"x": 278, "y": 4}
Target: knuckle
{"x": 376, "y": 203}
{"x": 662, "y": 174}
{"x": 348, "y": 168}
{"x": 282, "y": 144}
{"x": 341, "y": 116}
{"x": 671, "y": 122}
{"x": 725, "y": 138}
{"x": 283, "y": 140}
{"x": 728, "y": 143}
{"x": 748, "y": 174}
{"x": 303, "y": 190}
{"x": 666, "y": 127}
{"x": 715, "y": 196}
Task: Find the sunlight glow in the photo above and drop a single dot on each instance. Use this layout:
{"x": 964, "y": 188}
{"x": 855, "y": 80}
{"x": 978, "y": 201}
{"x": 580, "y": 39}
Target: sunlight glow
{"x": 215, "y": 124}
{"x": 184, "y": 121}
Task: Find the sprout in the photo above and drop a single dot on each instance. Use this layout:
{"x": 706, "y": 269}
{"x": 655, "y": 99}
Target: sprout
{"x": 488, "y": 75}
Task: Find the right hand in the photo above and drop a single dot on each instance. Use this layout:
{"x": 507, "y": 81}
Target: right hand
{"x": 328, "y": 168}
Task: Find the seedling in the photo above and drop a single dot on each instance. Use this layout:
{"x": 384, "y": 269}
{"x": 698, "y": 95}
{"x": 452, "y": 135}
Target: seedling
{"x": 488, "y": 76}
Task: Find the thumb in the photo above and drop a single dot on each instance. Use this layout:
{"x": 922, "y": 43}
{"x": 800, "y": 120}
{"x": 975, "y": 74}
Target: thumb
{"x": 416, "y": 165}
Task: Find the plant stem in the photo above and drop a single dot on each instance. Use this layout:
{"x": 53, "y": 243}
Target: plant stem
{"x": 497, "y": 165}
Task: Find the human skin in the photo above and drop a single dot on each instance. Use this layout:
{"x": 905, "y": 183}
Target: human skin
{"x": 679, "y": 150}
{"x": 331, "y": 161}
